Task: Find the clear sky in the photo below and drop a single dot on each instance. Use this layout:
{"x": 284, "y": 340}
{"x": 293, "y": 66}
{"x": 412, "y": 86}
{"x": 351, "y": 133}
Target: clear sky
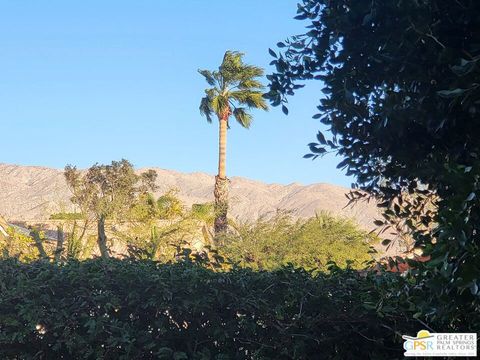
{"x": 99, "y": 80}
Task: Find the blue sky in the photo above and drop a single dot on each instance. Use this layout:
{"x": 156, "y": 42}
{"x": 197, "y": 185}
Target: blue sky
{"x": 94, "y": 81}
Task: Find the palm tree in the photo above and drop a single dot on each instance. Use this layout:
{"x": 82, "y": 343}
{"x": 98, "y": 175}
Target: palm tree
{"x": 235, "y": 89}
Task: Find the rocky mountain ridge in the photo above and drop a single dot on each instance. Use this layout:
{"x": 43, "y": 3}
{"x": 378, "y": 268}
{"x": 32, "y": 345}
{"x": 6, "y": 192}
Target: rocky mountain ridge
{"x": 33, "y": 193}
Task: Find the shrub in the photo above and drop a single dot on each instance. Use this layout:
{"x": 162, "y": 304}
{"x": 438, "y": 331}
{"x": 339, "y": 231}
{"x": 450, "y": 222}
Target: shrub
{"x": 126, "y": 309}
{"x": 271, "y": 243}
{"x": 204, "y": 212}
{"x": 159, "y": 241}
{"x": 19, "y": 246}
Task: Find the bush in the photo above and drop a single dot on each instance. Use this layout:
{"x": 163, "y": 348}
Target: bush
{"x": 311, "y": 244}
{"x": 126, "y": 309}
{"x": 204, "y": 212}
{"x": 19, "y": 246}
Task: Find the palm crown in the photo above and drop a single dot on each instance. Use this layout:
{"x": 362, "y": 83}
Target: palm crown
{"x": 234, "y": 86}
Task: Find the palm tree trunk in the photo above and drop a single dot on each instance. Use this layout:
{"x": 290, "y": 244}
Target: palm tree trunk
{"x": 102, "y": 238}
{"x": 221, "y": 181}
{"x": 222, "y": 148}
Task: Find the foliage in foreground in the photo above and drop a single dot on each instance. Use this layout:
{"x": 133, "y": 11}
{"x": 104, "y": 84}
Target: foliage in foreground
{"x": 402, "y": 100}
{"x": 114, "y": 309}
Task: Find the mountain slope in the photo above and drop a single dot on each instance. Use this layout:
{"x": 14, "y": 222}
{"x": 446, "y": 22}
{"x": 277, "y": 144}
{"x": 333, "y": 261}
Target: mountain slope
{"x": 32, "y": 193}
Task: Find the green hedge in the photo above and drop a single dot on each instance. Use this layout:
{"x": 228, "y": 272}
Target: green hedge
{"x": 126, "y": 309}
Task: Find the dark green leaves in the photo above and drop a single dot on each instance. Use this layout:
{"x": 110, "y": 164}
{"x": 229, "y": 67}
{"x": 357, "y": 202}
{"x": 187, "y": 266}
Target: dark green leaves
{"x": 367, "y": 19}
{"x": 451, "y": 93}
{"x": 465, "y": 67}
{"x": 128, "y": 309}
{"x": 321, "y": 138}
{"x": 474, "y": 288}
{"x": 316, "y": 149}
{"x": 349, "y": 98}
{"x": 401, "y": 97}
{"x": 301, "y": 16}
{"x": 343, "y": 163}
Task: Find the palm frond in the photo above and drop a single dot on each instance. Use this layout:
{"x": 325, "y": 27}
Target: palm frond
{"x": 212, "y": 92}
{"x": 243, "y": 117}
{"x": 220, "y": 104}
{"x": 250, "y": 84}
{"x": 250, "y": 72}
{"x": 206, "y": 108}
{"x": 232, "y": 65}
{"x": 252, "y": 99}
{"x": 232, "y": 60}
{"x": 234, "y": 82}
{"x": 208, "y": 75}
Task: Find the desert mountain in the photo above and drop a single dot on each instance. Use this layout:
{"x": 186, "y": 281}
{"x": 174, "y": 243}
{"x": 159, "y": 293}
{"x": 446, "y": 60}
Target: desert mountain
{"x": 32, "y": 193}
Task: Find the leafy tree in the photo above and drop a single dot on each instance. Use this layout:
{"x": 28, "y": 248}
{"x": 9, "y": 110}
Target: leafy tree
{"x": 145, "y": 210}
{"x": 235, "y": 89}
{"x": 107, "y": 192}
{"x": 401, "y": 97}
